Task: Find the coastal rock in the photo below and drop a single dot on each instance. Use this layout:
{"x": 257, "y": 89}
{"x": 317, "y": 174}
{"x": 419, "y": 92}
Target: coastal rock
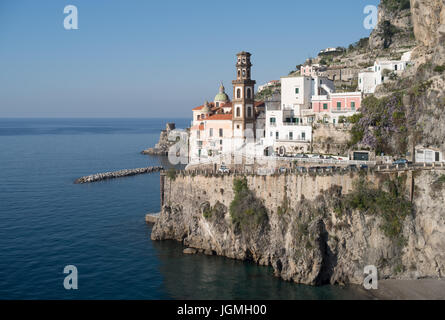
{"x": 189, "y": 251}
{"x": 168, "y": 137}
{"x": 304, "y": 239}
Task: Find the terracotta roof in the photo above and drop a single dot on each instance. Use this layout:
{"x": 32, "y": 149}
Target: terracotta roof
{"x": 213, "y": 106}
{"x": 225, "y": 116}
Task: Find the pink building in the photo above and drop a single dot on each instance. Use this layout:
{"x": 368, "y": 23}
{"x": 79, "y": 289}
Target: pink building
{"x": 329, "y": 108}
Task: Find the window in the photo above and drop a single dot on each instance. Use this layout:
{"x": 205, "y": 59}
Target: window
{"x": 273, "y": 121}
{"x": 238, "y": 111}
{"x": 333, "y": 121}
{"x": 211, "y": 132}
{"x": 291, "y": 135}
{"x": 238, "y": 93}
{"x": 239, "y": 73}
{"x": 395, "y": 67}
{"x": 297, "y": 90}
{"x": 217, "y": 104}
{"x": 237, "y": 126}
{"x": 303, "y": 136}
{"x": 277, "y": 135}
{"x": 220, "y": 132}
{"x": 325, "y": 106}
{"x": 339, "y": 105}
{"x": 249, "y": 112}
{"x": 220, "y": 142}
{"x": 271, "y": 134}
{"x": 244, "y": 72}
{"x": 352, "y": 105}
{"x": 197, "y": 118}
{"x": 249, "y": 93}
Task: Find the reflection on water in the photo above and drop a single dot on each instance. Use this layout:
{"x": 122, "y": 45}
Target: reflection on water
{"x": 211, "y": 277}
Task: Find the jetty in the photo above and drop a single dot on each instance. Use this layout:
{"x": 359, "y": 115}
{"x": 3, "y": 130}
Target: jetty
{"x": 116, "y": 174}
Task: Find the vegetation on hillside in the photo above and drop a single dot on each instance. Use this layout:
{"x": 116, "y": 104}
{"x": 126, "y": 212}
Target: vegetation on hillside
{"x": 396, "y": 5}
{"x": 267, "y": 92}
{"x": 389, "y": 203}
{"x": 382, "y": 125}
{"x": 246, "y": 210}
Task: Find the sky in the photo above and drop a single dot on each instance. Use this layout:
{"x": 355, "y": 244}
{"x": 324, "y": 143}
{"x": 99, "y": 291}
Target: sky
{"x": 136, "y": 58}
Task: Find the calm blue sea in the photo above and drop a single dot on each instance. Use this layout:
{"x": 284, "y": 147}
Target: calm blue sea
{"x": 47, "y": 222}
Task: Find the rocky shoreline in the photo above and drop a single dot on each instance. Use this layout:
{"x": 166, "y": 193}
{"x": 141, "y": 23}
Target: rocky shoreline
{"x": 116, "y": 174}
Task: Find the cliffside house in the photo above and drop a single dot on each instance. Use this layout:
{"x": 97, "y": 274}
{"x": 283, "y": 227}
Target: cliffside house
{"x": 370, "y": 78}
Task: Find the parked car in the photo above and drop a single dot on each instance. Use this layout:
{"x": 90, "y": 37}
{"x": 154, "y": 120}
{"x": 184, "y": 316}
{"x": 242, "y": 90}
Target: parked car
{"x": 364, "y": 166}
{"x": 282, "y": 170}
{"x": 302, "y": 169}
{"x": 400, "y": 161}
{"x": 223, "y": 169}
{"x": 352, "y": 167}
{"x": 301, "y": 155}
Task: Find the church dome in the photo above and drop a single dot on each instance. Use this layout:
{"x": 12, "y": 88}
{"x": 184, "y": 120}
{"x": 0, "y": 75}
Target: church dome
{"x": 221, "y": 96}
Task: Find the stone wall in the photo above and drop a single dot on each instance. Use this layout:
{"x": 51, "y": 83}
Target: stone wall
{"x": 330, "y": 139}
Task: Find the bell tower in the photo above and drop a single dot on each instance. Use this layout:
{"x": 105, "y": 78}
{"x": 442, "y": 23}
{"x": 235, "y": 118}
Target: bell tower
{"x": 243, "y": 112}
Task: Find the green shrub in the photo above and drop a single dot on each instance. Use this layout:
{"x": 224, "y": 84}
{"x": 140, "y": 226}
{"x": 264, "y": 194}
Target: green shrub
{"x": 171, "y": 174}
{"x": 247, "y": 211}
{"x": 439, "y": 68}
{"x": 396, "y": 5}
{"x": 391, "y": 205}
{"x": 439, "y": 183}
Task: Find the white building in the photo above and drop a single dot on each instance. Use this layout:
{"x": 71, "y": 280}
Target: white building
{"x": 304, "y": 99}
{"x": 369, "y": 79}
{"x": 428, "y": 155}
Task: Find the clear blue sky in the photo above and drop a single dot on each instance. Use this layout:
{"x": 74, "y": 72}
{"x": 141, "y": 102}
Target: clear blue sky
{"x": 142, "y": 58}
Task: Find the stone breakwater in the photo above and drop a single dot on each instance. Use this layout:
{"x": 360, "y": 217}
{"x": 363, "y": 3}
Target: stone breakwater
{"x": 116, "y": 174}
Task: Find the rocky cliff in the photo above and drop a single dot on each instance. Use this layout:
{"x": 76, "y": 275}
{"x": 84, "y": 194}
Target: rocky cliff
{"x": 311, "y": 229}
{"x": 394, "y": 28}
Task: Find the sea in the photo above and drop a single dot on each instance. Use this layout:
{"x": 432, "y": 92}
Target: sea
{"x": 47, "y": 222}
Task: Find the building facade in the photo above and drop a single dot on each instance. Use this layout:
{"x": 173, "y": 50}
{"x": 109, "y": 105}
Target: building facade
{"x": 222, "y": 126}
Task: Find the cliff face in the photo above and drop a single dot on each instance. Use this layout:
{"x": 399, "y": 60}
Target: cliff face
{"x": 428, "y": 17}
{"x": 394, "y": 26}
{"x": 303, "y": 234}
